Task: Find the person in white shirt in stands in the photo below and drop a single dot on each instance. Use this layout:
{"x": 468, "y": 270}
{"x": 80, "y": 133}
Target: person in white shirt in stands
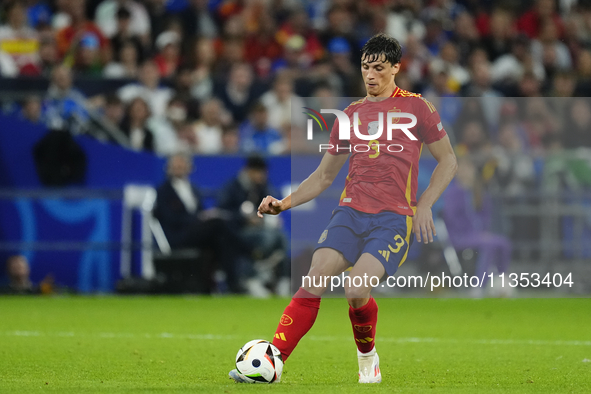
{"x": 209, "y": 128}
{"x": 105, "y": 18}
{"x": 148, "y": 87}
{"x": 279, "y": 101}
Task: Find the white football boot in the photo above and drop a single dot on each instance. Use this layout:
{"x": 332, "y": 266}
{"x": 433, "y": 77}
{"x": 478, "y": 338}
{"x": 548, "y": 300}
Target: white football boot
{"x": 369, "y": 367}
{"x": 238, "y": 377}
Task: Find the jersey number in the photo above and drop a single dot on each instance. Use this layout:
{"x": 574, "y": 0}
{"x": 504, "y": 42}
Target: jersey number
{"x": 374, "y": 144}
{"x": 399, "y": 244}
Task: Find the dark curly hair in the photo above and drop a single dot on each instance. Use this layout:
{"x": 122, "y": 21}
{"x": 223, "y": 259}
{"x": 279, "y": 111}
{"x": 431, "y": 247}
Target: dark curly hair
{"x": 382, "y": 44}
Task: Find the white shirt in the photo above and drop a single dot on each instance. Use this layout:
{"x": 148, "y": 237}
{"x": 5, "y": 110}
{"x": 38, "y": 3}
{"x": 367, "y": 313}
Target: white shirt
{"x": 209, "y": 138}
{"x": 166, "y": 141}
{"x": 157, "y": 99}
{"x": 8, "y": 67}
{"x": 280, "y": 112}
{"x": 136, "y": 138}
{"x": 106, "y": 18}
{"x": 183, "y": 189}
{"x": 508, "y": 67}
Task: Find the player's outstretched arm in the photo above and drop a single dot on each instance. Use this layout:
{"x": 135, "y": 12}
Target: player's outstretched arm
{"x": 447, "y": 165}
{"x": 309, "y": 189}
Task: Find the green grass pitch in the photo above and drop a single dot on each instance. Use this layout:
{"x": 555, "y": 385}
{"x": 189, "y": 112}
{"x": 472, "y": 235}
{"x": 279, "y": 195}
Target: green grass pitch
{"x": 188, "y": 345}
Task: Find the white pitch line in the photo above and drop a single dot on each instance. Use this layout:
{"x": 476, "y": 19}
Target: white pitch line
{"x": 167, "y": 335}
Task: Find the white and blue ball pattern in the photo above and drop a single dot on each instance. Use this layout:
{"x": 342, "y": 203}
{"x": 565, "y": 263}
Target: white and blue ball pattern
{"x": 260, "y": 361}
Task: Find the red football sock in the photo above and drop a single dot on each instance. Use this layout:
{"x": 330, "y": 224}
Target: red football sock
{"x": 364, "y": 322}
{"x": 296, "y": 321}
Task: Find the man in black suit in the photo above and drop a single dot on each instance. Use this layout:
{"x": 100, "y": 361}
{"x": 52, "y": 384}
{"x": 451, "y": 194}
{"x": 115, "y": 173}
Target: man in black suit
{"x": 240, "y": 197}
{"x": 179, "y": 208}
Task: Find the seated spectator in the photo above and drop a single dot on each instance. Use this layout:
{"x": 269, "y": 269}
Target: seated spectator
{"x": 341, "y": 24}
{"x": 467, "y": 213}
{"x": 68, "y": 38}
{"x": 126, "y": 64}
{"x": 466, "y": 37}
{"x": 187, "y": 139}
{"x": 239, "y": 91}
{"x": 415, "y": 60}
{"x": 148, "y": 87}
{"x": 61, "y": 18}
{"x": 19, "y": 40}
{"x": 577, "y": 132}
{"x": 106, "y": 18}
{"x": 474, "y": 142}
{"x": 48, "y": 56}
{"x": 38, "y": 14}
{"x": 549, "y": 51}
{"x": 165, "y": 128}
{"x": 88, "y": 58}
{"x": 114, "y": 110}
{"x": 510, "y": 68}
{"x": 183, "y": 81}
{"x": 498, "y": 42}
{"x": 531, "y": 21}
{"x": 32, "y": 109}
{"x": 295, "y": 61}
{"x": 231, "y": 140}
{"x": 202, "y": 64}
{"x": 134, "y": 125}
{"x": 449, "y": 61}
{"x": 8, "y": 67}
{"x": 209, "y": 128}
{"x": 261, "y": 47}
{"x": 186, "y": 224}
{"x": 65, "y": 105}
{"x": 241, "y": 197}
{"x": 168, "y": 44}
{"x": 125, "y": 35}
{"x": 197, "y": 20}
{"x": 299, "y": 24}
{"x": 17, "y": 268}
{"x": 402, "y": 22}
{"x": 340, "y": 60}
{"x": 257, "y": 137}
{"x": 279, "y": 102}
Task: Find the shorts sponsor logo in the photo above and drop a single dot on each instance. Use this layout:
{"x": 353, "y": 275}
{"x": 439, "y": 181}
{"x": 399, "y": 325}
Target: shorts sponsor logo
{"x": 323, "y": 236}
{"x": 285, "y": 320}
{"x": 362, "y": 328}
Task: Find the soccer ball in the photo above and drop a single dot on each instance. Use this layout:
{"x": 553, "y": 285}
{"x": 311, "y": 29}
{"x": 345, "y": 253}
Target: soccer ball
{"x": 260, "y": 361}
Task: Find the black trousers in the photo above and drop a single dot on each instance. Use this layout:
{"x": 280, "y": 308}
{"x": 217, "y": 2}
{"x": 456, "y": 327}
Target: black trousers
{"x": 216, "y": 235}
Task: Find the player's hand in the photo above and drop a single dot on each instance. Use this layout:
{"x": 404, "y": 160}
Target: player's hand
{"x": 422, "y": 224}
{"x": 270, "y": 206}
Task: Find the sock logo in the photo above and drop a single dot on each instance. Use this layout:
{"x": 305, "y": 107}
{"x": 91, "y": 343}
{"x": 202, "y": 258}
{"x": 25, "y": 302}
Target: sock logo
{"x": 285, "y": 320}
{"x": 280, "y": 336}
{"x": 364, "y": 340}
{"x": 362, "y": 328}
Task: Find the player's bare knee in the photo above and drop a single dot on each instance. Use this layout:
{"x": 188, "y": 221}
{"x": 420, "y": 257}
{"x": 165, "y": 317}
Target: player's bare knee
{"x": 356, "y": 292}
{"x": 357, "y": 302}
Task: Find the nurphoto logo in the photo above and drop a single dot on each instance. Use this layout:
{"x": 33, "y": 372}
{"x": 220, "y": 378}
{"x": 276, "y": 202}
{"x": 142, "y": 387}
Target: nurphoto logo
{"x": 375, "y": 129}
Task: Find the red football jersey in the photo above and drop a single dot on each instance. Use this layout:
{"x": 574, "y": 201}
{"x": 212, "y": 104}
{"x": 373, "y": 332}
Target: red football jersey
{"x": 383, "y": 173}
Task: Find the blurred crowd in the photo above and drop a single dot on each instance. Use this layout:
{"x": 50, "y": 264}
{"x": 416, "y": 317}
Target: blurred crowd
{"x": 221, "y": 76}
